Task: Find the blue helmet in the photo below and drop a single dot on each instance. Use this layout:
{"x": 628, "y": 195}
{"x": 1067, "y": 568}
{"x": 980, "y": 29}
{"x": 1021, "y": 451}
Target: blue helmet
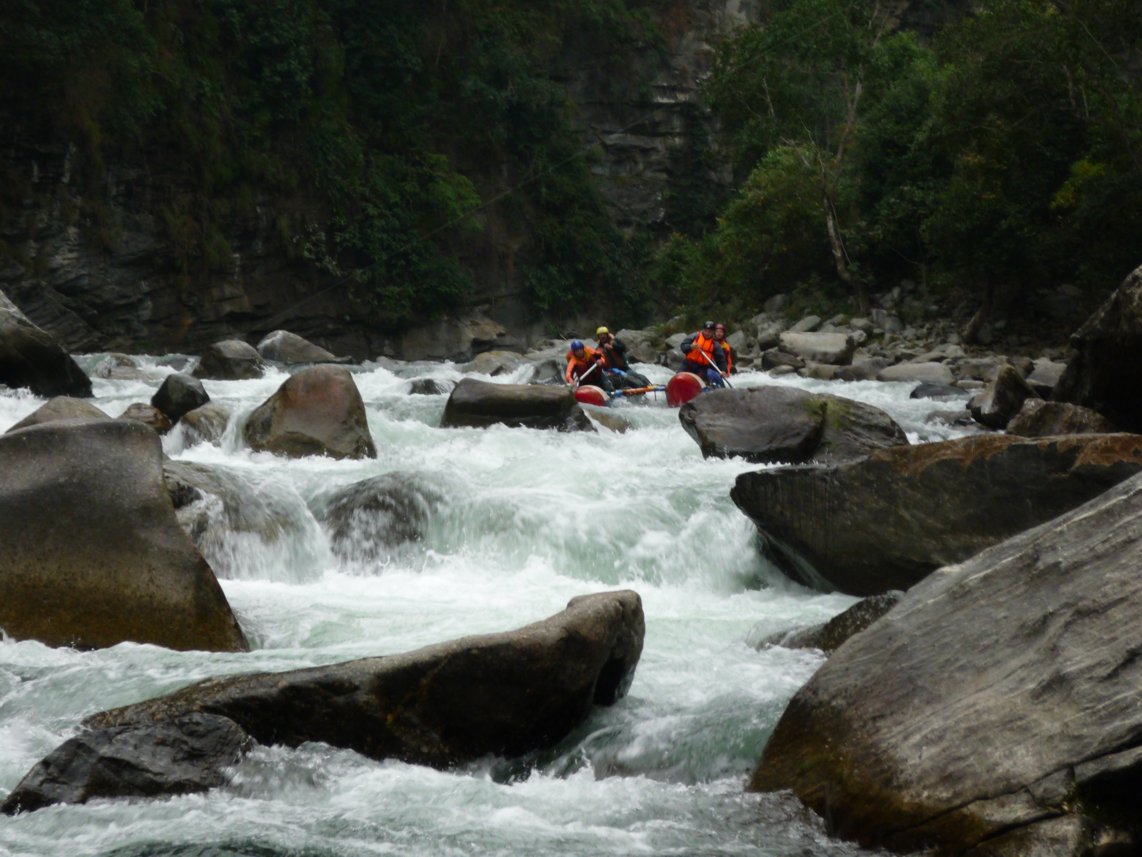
{"x": 576, "y": 345}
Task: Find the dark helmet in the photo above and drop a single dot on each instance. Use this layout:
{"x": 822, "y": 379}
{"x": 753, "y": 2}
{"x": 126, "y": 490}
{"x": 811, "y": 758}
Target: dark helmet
{"x": 709, "y": 325}
{"x": 576, "y": 345}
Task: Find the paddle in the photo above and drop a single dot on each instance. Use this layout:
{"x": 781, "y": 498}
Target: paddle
{"x": 590, "y": 369}
{"x": 710, "y": 360}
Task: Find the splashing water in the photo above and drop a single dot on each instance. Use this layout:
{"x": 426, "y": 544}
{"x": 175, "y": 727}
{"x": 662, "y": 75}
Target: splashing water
{"x": 497, "y": 528}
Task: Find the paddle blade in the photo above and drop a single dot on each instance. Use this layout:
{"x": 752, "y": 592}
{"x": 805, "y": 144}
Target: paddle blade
{"x": 683, "y": 387}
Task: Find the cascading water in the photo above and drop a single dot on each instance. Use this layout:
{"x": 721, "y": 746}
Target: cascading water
{"x": 504, "y": 527}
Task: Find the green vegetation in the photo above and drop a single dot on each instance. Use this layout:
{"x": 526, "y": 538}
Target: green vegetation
{"x": 387, "y": 138}
{"x": 407, "y": 149}
{"x": 1007, "y": 153}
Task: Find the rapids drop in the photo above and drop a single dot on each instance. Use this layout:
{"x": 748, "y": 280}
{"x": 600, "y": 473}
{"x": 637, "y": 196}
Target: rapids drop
{"x": 510, "y": 525}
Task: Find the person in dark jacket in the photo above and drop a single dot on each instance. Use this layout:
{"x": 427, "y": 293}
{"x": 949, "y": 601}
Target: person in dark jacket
{"x": 614, "y": 353}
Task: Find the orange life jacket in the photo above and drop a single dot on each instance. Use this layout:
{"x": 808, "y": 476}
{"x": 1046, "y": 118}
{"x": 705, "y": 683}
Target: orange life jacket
{"x": 702, "y": 343}
{"x": 577, "y": 366}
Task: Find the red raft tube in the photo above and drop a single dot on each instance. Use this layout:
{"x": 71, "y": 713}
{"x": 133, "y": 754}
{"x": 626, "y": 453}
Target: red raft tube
{"x": 679, "y": 390}
{"x": 683, "y": 387}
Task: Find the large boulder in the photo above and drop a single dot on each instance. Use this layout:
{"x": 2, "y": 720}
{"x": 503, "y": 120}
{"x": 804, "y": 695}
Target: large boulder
{"x": 61, "y": 408}
{"x": 834, "y": 349}
{"x": 230, "y": 360}
{"x": 786, "y": 425}
{"x": 506, "y": 694}
{"x": 374, "y": 519}
{"x": 180, "y": 756}
{"x": 494, "y": 363}
{"x": 1103, "y": 372}
{"x": 888, "y": 521}
{"x": 30, "y": 357}
{"x": 924, "y": 373}
{"x": 178, "y": 395}
{"x": 148, "y": 415}
{"x": 1002, "y": 399}
{"x": 282, "y": 346}
{"x": 994, "y": 710}
{"x": 93, "y": 554}
{"x": 478, "y": 404}
{"x": 205, "y": 424}
{"x": 318, "y": 411}
{"x": 1040, "y": 418}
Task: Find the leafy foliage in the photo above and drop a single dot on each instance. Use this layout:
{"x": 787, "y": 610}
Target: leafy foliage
{"x": 1004, "y": 153}
{"x": 386, "y": 134}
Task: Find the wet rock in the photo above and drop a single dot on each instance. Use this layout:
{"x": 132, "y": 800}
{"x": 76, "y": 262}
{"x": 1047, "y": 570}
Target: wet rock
{"x": 148, "y": 415}
{"x": 829, "y": 636}
{"x": 888, "y": 521}
{"x": 218, "y": 505}
{"x": 786, "y": 425}
{"x": 936, "y": 391}
{"x": 372, "y": 519}
{"x": 205, "y": 424}
{"x": 178, "y": 395}
{"x": 925, "y": 373}
{"x": 1002, "y": 399}
{"x": 834, "y": 349}
{"x": 994, "y": 709}
{"x": 318, "y": 411}
{"x": 819, "y": 371}
{"x": 282, "y": 346}
{"x": 865, "y": 369}
{"x": 1039, "y": 418}
{"x": 429, "y": 387}
{"x": 775, "y": 359}
{"x": 478, "y": 404}
{"x": 120, "y": 367}
{"x": 643, "y": 346}
{"x": 93, "y": 554}
{"x": 30, "y": 357}
{"x": 1044, "y": 375}
{"x": 494, "y": 363}
{"x": 230, "y": 360}
{"x": 60, "y": 408}
{"x": 1103, "y": 373}
{"x": 180, "y": 756}
{"x": 504, "y": 694}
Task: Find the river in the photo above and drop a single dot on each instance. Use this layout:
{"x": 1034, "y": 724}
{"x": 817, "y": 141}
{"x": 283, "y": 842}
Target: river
{"x": 520, "y": 521}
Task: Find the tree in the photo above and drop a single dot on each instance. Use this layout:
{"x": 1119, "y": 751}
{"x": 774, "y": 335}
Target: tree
{"x": 798, "y": 83}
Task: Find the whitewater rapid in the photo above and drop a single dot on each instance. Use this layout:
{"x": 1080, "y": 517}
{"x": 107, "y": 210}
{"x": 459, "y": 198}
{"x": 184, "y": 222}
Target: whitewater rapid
{"x": 520, "y": 521}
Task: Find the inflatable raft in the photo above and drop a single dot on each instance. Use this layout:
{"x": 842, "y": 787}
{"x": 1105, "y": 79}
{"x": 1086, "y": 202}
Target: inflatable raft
{"x": 679, "y": 390}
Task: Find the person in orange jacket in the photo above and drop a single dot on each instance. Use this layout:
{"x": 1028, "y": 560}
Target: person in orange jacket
{"x": 705, "y": 356}
{"x": 720, "y": 336}
{"x": 585, "y": 365}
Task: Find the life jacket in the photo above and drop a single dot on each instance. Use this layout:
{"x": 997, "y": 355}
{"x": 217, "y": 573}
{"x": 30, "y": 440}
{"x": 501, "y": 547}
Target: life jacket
{"x": 702, "y": 343}
{"x": 729, "y": 356}
{"x": 576, "y": 366}
{"x": 614, "y": 359}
